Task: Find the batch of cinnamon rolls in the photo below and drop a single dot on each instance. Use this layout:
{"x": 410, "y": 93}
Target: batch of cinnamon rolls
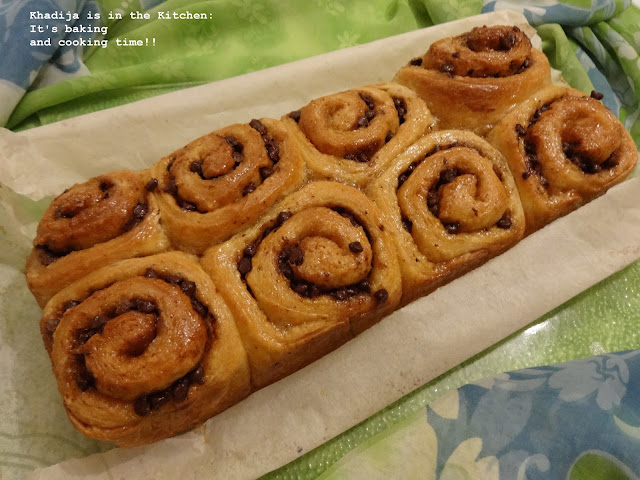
{"x": 171, "y": 293}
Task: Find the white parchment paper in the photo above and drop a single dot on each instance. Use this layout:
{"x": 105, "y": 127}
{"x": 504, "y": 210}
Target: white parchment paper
{"x": 414, "y": 345}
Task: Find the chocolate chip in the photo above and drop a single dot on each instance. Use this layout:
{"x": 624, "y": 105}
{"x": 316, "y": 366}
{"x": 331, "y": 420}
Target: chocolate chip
{"x": 381, "y": 295}
{"x": 70, "y": 304}
{"x": 238, "y": 157}
{"x": 273, "y": 149}
{"x": 447, "y": 67}
{"x": 83, "y": 336}
{"x": 505, "y": 222}
{"x": 520, "y": 130}
{"x": 123, "y": 307}
{"x": 150, "y": 273}
{"x": 356, "y": 247}
{"x": 244, "y": 266}
{"x": 364, "y": 286}
{"x": 369, "y": 115}
{"x": 51, "y": 325}
{"x": 285, "y": 269}
{"x": 283, "y": 216}
{"x": 265, "y": 172}
{"x": 250, "y": 250}
{"x": 98, "y": 322}
{"x": 452, "y": 228}
{"x": 171, "y": 188}
{"x": 302, "y": 289}
{"x": 341, "y": 294}
{"x": 157, "y": 399}
{"x": 199, "y": 308}
{"x": 407, "y": 224}
{"x": 362, "y": 122}
{"x": 234, "y": 143}
{"x": 455, "y": 54}
{"x": 401, "y": 108}
{"x": 172, "y": 279}
{"x": 151, "y": 185}
{"x": 258, "y": 126}
{"x": 295, "y": 115}
{"x": 295, "y": 255}
{"x": 180, "y": 389}
{"x": 416, "y": 61}
{"x": 508, "y": 42}
{"x": 197, "y": 375}
{"x": 145, "y": 306}
{"x": 248, "y": 188}
{"x": 104, "y": 186}
{"x": 139, "y": 211}
{"x": 85, "y": 380}
{"x": 188, "y": 287}
{"x": 388, "y": 138}
{"x": 360, "y": 157}
{"x": 448, "y": 175}
{"x": 526, "y": 175}
{"x": 597, "y": 95}
{"x": 141, "y": 406}
{"x": 367, "y": 100}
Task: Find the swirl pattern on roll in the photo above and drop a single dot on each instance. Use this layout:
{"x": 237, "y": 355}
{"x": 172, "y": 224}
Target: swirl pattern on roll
{"x": 472, "y": 80}
{"x": 564, "y": 149}
{"x": 108, "y": 218}
{"x": 222, "y": 182}
{"x": 353, "y": 135}
{"x": 144, "y": 349}
{"x": 451, "y": 203}
{"x": 318, "y": 269}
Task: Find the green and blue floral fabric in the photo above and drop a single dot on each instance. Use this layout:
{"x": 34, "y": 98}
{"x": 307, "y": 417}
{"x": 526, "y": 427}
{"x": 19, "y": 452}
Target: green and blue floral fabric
{"x": 577, "y": 420}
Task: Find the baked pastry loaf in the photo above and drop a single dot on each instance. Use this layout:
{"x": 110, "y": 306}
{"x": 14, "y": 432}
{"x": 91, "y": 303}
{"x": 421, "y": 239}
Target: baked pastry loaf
{"x": 144, "y": 349}
{"x": 473, "y": 80}
{"x": 318, "y": 269}
{"x": 450, "y": 203}
{"x": 353, "y": 135}
{"x": 564, "y": 149}
{"x": 222, "y": 182}
{"x": 108, "y": 218}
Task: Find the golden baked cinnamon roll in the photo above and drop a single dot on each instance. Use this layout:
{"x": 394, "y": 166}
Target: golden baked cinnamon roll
{"x": 110, "y": 217}
{"x": 317, "y": 269}
{"x": 564, "y": 149}
{"x": 451, "y": 203}
{"x": 144, "y": 349}
{"x": 352, "y": 136}
{"x": 472, "y": 80}
{"x": 222, "y": 182}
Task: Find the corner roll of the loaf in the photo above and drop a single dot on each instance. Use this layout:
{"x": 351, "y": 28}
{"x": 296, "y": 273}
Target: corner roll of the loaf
{"x": 105, "y": 219}
{"x": 564, "y": 149}
{"x": 144, "y": 349}
{"x": 472, "y": 80}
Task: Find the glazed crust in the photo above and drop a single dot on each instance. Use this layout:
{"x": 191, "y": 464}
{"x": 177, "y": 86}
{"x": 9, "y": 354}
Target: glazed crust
{"x": 473, "y": 80}
{"x": 450, "y": 203}
{"x": 144, "y": 349}
{"x": 564, "y": 149}
{"x": 315, "y": 271}
{"x": 353, "y": 135}
{"x": 219, "y": 184}
{"x": 108, "y": 218}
